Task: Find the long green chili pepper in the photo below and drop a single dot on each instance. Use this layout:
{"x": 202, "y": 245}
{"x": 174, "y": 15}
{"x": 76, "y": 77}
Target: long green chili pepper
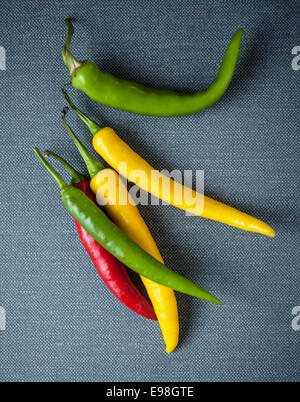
{"x": 136, "y": 98}
{"x": 99, "y": 226}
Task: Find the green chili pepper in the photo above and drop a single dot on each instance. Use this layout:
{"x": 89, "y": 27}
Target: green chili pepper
{"x": 98, "y": 225}
{"x": 136, "y": 98}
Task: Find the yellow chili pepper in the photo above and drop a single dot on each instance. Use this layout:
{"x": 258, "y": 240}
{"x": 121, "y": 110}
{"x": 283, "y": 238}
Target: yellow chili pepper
{"x": 113, "y": 195}
{"x": 115, "y": 152}
{"x": 130, "y": 165}
{"x": 129, "y": 220}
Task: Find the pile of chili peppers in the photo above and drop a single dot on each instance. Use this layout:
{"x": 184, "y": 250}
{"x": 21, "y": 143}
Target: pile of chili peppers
{"x": 113, "y": 233}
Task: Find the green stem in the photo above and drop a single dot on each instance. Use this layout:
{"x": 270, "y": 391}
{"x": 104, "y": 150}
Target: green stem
{"x": 59, "y": 180}
{"x": 93, "y": 127}
{"x": 76, "y": 177}
{"x": 70, "y": 61}
{"x": 92, "y": 164}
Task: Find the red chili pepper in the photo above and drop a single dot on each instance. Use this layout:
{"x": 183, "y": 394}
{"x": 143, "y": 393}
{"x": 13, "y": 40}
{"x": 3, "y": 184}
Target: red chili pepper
{"x": 112, "y": 272}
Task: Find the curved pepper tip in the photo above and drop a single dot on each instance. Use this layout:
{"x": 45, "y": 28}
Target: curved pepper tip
{"x": 170, "y": 349}
{"x": 268, "y": 231}
{"x": 239, "y": 33}
{"x": 171, "y": 342}
{"x": 151, "y": 315}
{"x": 272, "y": 233}
{"x": 213, "y": 299}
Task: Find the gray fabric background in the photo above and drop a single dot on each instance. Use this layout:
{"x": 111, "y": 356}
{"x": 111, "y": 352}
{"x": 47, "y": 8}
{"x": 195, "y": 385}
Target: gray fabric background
{"x": 62, "y": 323}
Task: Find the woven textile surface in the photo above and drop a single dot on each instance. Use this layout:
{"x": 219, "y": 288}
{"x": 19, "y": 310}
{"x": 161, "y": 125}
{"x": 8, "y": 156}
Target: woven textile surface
{"x": 62, "y": 324}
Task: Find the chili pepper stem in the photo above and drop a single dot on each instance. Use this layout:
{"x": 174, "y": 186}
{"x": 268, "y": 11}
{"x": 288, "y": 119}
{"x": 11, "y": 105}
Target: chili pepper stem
{"x": 136, "y": 98}
{"x": 59, "y": 180}
{"x": 93, "y": 165}
{"x": 70, "y": 61}
{"x": 76, "y": 176}
{"x": 93, "y": 126}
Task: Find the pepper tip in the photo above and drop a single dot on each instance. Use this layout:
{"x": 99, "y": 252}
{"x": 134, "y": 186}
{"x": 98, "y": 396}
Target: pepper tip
{"x": 272, "y": 233}
{"x": 268, "y": 231}
{"x": 64, "y": 111}
{"x": 239, "y": 33}
{"x": 216, "y": 301}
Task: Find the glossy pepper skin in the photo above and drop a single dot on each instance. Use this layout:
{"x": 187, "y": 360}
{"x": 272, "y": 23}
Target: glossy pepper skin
{"x": 136, "y": 98}
{"x": 99, "y": 226}
{"x": 106, "y": 184}
{"x": 111, "y": 271}
{"x": 129, "y": 220}
{"x": 115, "y": 152}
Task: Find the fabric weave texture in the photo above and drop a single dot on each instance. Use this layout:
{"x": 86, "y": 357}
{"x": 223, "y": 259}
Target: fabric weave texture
{"x": 62, "y": 323}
